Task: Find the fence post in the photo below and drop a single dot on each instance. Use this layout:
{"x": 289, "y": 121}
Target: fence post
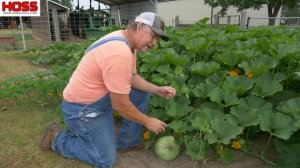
{"x": 243, "y": 20}
{"x": 248, "y": 22}
{"x": 228, "y": 19}
{"x": 55, "y": 24}
{"x": 216, "y": 20}
{"x": 22, "y": 30}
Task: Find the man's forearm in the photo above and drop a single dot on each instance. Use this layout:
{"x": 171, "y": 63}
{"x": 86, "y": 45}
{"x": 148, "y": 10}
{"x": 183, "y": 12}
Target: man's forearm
{"x": 127, "y": 110}
{"x": 141, "y": 84}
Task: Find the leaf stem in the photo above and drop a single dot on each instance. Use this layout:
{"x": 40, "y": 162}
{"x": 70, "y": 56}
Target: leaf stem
{"x": 258, "y": 157}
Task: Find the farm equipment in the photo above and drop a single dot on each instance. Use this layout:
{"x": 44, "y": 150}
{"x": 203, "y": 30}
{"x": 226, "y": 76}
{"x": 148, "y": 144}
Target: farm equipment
{"x": 87, "y": 23}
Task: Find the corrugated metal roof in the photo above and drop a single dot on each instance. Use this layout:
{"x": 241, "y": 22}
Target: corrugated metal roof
{"x": 58, "y": 4}
{"x": 118, "y": 2}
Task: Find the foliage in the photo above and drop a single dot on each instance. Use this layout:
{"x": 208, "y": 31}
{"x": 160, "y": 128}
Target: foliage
{"x": 228, "y": 82}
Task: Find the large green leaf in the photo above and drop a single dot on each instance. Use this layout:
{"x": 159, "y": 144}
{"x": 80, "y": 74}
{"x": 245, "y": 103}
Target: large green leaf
{"x": 242, "y": 116}
{"x": 239, "y": 84}
{"x": 177, "y": 110}
{"x": 204, "y": 68}
{"x": 201, "y": 122}
{"x": 196, "y": 149}
{"x": 163, "y": 69}
{"x": 173, "y": 57}
{"x": 202, "y": 89}
{"x": 179, "y": 126}
{"x": 222, "y": 132}
{"x": 230, "y": 58}
{"x": 157, "y": 101}
{"x": 255, "y": 103}
{"x": 296, "y": 75}
{"x": 291, "y": 107}
{"x": 195, "y": 44}
{"x": 277, "y": 124}
{"x": 159, "y": 113}
{"x": 266, "y": 85}
{"x": 259, "y": 65}
{"x": 283, "y": 50}
{"x": 246, "y": 113}
{"x": 216, "y": 95}
{"x": 159, "y": 79}
{"x": 212, "y": 113}
{"x": 154, "y": 59}
{"x": 195, "y": 80}
{"x": 217, "y": 78}
{"x": 288, "y": 152}
{"x": 230, "y": 98}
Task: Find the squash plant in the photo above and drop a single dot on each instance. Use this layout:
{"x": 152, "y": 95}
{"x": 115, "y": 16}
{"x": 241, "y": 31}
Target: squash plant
{"x": 229, "y": 84}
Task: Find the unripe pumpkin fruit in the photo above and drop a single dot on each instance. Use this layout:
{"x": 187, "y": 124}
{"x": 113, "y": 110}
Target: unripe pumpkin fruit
{"x": 166, "y": 148}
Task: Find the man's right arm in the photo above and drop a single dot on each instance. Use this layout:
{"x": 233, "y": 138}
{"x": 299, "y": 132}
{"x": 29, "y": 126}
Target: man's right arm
{"x": 122, "y": 104}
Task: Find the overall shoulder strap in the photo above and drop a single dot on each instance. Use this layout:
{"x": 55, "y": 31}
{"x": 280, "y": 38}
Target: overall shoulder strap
{"x": 105, "y": 41}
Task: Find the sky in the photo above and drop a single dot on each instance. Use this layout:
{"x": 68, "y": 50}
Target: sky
{"x": 86, "y": 4}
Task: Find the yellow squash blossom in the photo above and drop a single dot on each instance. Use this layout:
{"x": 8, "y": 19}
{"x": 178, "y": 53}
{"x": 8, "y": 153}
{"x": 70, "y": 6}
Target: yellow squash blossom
{"x": 236, "y": 144}
{"x": 249, "y": 74}
{"x": 232, "y": 73}
{"x": 146, "y": 135}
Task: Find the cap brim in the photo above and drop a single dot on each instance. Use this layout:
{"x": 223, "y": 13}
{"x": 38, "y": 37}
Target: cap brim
{"x": 161, "y": 34}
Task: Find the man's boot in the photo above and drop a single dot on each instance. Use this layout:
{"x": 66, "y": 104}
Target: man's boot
{"x": 49, "y": 134}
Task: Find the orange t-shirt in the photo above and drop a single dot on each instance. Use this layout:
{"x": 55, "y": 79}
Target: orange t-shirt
{"x": 106, "y": 68}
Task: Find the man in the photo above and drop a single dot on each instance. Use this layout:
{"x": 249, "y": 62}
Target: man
{"x": 105, "y": 80}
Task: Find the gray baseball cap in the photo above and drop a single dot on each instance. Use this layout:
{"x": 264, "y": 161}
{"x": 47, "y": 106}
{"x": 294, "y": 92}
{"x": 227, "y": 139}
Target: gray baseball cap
{"x": 155, "y": 22}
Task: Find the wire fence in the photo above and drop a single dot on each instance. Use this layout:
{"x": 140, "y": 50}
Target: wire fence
{"x": 228, "y": 19}
{"x": 51, "y": 26}
{"x": 285, "y": 21}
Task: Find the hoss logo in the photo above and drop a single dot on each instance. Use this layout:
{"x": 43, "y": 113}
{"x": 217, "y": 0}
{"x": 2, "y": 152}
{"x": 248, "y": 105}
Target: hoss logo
{"x": 20, "y": 6}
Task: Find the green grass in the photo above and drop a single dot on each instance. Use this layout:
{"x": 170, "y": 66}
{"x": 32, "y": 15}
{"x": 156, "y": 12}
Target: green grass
{"x": 13, "y": 66}
{"x": 16, "y": 34}
{"x": 23, "y": 122}
{"x": 21, "y": 128}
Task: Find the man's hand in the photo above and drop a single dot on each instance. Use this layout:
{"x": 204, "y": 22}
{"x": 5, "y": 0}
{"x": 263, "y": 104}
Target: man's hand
{"x": 156, "y": 126}
{"x": 166, "y": 92}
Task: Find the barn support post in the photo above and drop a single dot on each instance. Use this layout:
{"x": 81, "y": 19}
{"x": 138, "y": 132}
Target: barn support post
{"x": 55, "y": 24}
{"x": 154, "y": 3}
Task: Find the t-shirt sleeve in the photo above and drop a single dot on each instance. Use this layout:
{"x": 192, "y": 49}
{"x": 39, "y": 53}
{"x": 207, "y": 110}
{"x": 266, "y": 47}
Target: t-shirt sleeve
{"x": 117, "y": 74}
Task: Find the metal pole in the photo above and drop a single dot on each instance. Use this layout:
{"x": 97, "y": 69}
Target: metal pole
{"x": 119, "y": 17}
{"x": 22, "y": 30}
{"x": 211, "y": 15}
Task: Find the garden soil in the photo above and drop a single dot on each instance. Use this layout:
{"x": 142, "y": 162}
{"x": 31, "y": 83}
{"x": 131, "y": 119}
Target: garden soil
{"x": 147, "y": 159}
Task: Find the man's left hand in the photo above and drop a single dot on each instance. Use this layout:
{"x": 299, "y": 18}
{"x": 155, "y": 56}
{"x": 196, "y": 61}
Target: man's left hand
{"x": 166, "y": 92}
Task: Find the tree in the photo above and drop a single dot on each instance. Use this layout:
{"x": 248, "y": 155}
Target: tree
{"x": 273, "y": 5}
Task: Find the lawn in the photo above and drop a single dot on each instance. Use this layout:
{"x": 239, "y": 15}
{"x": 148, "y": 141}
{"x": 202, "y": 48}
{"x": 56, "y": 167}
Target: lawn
{"x": 16, "y": 34}
{"x": 22, "y": 124}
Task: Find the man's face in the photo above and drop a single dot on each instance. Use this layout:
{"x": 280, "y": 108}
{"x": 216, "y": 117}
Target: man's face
{"x": 146, "y": 37}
